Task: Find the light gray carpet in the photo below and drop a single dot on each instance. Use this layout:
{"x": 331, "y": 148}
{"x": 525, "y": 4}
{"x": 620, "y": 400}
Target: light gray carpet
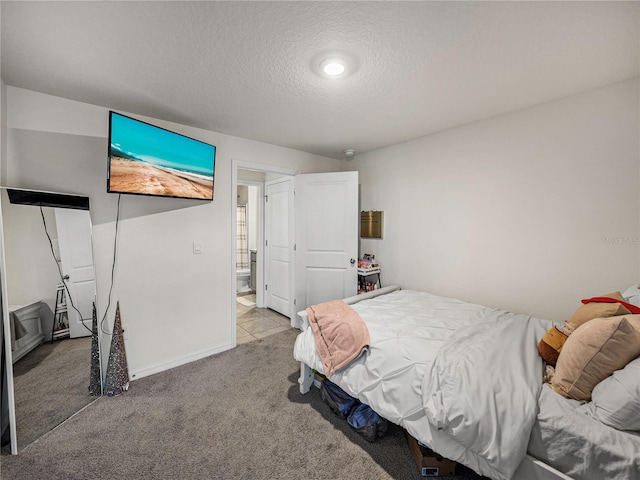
{"x": 235, "y": 415}
{"x": 51, "y": 383}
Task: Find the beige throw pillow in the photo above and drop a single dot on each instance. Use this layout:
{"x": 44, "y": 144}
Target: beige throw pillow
{"x": 592, "y": 310}
{"x": 593, "y": 352}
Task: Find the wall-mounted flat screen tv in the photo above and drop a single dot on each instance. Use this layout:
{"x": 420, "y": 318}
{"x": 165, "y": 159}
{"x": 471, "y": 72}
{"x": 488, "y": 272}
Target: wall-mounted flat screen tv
{"x": 149, "y": 160}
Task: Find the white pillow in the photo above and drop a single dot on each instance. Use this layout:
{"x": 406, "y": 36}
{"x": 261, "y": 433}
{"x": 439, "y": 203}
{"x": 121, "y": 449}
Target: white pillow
{"x": 615, "y": 401}
{"x": 632, "y": 295}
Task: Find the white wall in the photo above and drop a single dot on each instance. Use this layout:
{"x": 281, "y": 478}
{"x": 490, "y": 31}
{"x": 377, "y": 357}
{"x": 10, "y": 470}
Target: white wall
{"x": 529, "y": 212}
{"x": 30, "y": 266}
{"x": 175, "y": 306}
{"x": 3, "y": 128}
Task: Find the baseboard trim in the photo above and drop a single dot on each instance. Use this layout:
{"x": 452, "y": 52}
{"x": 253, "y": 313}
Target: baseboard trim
{"x": 145, "y": 372}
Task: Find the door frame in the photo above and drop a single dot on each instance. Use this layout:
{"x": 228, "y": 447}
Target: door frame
{"x": 236, "y": 165}
{"x": 259, "y": 238}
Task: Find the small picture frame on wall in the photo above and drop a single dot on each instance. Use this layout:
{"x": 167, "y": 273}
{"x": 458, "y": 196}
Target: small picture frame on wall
{"x": 371, "y": 224}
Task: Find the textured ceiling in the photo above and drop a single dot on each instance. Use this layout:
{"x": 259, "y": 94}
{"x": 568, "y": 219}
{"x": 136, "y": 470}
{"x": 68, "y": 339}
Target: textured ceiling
{"x": 250, "y": 68}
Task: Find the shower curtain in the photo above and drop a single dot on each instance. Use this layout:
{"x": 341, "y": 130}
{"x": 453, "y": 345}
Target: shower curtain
{"x": 242, "y": 259}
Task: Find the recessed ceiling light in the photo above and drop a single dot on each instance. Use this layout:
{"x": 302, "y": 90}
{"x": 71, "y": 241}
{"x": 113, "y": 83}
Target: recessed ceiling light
{"x": 333, "y": 68}
{"x": 334, "y": 64}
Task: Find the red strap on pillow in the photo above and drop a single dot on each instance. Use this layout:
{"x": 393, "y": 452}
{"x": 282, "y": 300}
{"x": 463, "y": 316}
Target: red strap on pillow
{"x": 632, "y": 308}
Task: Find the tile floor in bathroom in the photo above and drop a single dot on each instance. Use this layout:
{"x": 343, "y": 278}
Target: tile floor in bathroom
{"x": 253, "y": 323}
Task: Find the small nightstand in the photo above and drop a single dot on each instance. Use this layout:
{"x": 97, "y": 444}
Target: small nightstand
{"x": 368, "y": 279}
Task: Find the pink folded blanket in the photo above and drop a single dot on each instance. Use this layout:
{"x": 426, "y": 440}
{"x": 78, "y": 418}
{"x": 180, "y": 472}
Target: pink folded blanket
{"x": 340, "y": 334}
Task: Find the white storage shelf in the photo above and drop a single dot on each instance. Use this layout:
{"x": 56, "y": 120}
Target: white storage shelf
{"x": 365, "y": 283}
{"x": 368, "y": 271}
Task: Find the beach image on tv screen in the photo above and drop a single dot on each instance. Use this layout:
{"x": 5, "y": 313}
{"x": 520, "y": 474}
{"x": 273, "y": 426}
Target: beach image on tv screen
{"x": 149, "y": 160}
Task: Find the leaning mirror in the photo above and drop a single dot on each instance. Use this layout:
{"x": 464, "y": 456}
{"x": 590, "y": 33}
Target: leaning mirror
{"x": 48, "y": 296}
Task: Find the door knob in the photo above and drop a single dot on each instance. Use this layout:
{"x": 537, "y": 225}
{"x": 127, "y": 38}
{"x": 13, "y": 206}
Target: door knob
{"x": 66, "y": 277}
{"x": 352, "y": 261}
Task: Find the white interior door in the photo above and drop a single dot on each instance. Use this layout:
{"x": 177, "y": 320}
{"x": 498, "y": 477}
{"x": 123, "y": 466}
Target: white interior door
{"x": 326, "y": 255}
{"x": 278, "y": 240}
{"x": 76, "y": 255}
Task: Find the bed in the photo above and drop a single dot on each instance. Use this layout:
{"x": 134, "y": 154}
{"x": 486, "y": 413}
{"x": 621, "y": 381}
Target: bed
{"x": 466, "y": 381}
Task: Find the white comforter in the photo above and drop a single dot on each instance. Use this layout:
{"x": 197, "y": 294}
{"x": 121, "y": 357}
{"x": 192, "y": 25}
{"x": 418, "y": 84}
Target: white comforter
{"x": 461, "y": 378}
{"x": 579, "y": 445}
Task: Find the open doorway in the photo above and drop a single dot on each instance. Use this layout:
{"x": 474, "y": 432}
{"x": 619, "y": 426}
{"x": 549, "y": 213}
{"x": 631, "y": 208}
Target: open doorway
{"x": 320, "y": 254}
{"x": 246, "y": 240}
{"x": 251, "y": 265}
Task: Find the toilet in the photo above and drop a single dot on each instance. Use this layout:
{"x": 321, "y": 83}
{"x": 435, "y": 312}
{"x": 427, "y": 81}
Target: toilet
{"x": 243, "y": 280}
